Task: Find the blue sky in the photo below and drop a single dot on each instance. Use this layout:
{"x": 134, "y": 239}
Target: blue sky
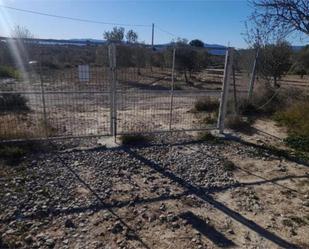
{"x": 219, "y": 22}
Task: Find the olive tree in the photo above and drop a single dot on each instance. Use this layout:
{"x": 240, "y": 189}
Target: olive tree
{"x": 274, "y": 61}
{"x": 131, "y": 36}
{"x": 196, "y": 43}
{"x": 115, "y": 35}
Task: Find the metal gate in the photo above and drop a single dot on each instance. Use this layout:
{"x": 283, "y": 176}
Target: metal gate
{"x": 118, "y": 96}
{"x": 153, "y": 110}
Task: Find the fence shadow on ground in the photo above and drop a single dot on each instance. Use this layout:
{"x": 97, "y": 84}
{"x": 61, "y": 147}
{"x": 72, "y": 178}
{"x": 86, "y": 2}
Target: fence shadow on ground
{"x": 207, "y": 230}
{"x": 189, "y": 188}
{"x": 216, "y": 204}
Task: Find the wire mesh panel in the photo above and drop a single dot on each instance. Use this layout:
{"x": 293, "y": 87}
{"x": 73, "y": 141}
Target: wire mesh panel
{"x": 195, "y": 110}
{"x": 143, "y": 111}
{"x": 53, "y": 98}
{"x": 150, "y": 99}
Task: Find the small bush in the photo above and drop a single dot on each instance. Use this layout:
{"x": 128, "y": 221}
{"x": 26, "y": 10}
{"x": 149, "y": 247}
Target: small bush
{"x": 11, "y": 151}
{"x": 11, "y": 154}
{"x": 298, "y": 142}
{"x": 296, "y": 119}
{"x": 134, "y": 139}
{"x": 13, "y": 102}
{"x": 208, "y": 137}
{"x": 229, "y": 165}
{"x": 8, "y": 72}
{"x": 206, "y": 105}
{"x": 237, "y": 123}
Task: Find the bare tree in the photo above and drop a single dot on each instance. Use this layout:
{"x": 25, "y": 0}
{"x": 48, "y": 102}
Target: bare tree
{"x": 287, "y": 15}
{"x": 131, "y": 36}
{"x": 22, "y": 44}
{"x": 21, "y": 32}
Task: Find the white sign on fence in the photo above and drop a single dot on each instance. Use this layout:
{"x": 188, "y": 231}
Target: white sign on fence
{"x": 83, "y": 72}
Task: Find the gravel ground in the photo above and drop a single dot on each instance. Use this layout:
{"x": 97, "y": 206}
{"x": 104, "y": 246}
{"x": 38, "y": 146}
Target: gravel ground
{"x": 138, "y": 197}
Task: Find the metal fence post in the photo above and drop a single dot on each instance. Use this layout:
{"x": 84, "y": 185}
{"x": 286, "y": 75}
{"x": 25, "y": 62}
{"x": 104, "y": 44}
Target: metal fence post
{"x": 225, "y": 89}
{"x": 113, "y": 107}
{"x": 172, "y": 90}
{"x": 43, "y": 99}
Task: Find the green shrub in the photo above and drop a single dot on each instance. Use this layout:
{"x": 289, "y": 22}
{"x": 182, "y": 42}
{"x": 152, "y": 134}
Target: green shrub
{"x": 11, "y": 154}
{"x": 208, "y": 137}
{"x": 134, "y": 139}
{"x": 298, "y": 142}
{"x": 9, "y": 72}
{"x": 229, "y": 165}
{"x": 13, "y": 102}
{"x": 206, "y": 105}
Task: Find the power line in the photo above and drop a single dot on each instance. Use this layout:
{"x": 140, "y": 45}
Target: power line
{"x": 73, "y": 18}
{"x": 167, "y": 32}
{"x": 87, "y": 20}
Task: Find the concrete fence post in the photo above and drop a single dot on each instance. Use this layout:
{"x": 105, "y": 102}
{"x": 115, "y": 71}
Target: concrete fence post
{"x": 252, "y": 79}
{"x": 225, "y": 89}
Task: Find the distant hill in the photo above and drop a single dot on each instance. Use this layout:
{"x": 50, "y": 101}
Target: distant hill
{"x": 297, "y": 48}
{"x": 214, "y": 49}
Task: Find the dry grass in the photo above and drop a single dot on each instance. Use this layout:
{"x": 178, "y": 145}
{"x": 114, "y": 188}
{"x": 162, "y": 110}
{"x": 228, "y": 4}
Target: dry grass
{"x": 9, "y": 72}
{"x": 23, "y": 127}
{"x": 296, "y": 119}
{"x": 206, "y": 104}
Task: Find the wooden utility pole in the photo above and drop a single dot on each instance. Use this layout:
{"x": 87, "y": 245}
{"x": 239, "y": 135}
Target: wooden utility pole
{"x": 152, "y": 36}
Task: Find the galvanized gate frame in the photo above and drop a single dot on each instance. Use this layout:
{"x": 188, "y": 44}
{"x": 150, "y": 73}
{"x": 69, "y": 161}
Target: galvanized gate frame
{"x": 223, "y": 100}
{"x": 113, "y": 89}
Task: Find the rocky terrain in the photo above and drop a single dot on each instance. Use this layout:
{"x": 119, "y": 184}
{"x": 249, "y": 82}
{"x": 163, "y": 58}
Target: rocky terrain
{"x": 173, "y": 193}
